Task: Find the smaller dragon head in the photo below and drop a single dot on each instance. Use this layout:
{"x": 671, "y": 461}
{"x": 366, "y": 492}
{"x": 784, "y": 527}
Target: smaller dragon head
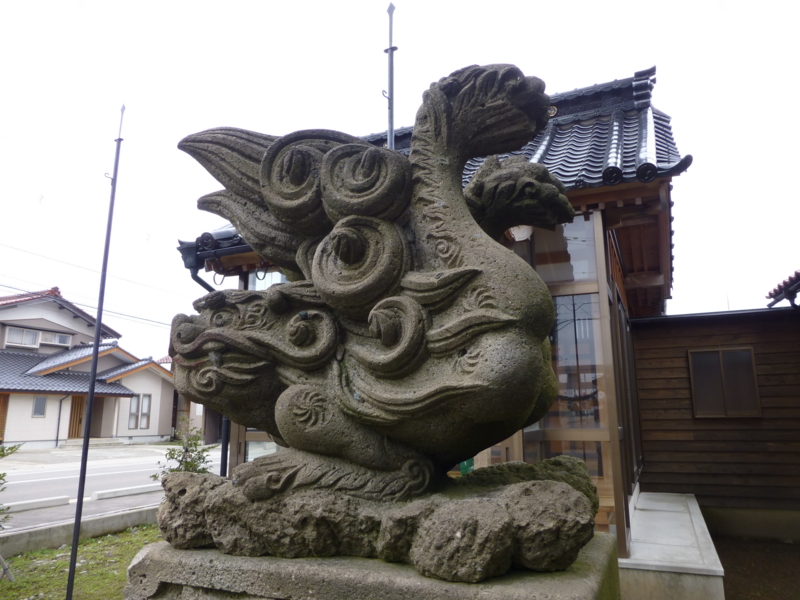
{"x": 503, "y": 194}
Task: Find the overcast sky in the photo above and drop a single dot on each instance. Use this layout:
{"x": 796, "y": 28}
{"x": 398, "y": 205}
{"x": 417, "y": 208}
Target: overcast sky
{"x": 727, "y": 75}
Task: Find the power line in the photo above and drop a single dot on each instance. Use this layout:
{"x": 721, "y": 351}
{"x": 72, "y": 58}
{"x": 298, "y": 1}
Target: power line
{"x": 63, "y": 262}
{"x": 118, "y": 314}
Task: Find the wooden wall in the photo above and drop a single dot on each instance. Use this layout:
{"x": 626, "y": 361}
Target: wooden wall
{"x": 725, "y": 462}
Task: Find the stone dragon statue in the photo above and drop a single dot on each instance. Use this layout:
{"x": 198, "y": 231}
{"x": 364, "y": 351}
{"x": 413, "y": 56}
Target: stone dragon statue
{"x": 408, "y": 338}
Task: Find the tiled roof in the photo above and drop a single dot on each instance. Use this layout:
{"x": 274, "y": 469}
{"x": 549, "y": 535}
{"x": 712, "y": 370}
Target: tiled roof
{"x": 117, "y": 371}
{"x": 26, "y": 296}
{"x": 786, "y": 290}
{"x": 69, "y": 356}
{"x": 603, "y": 134}
{"x": 14, "y": 377}
{"x": 54, "y": 295}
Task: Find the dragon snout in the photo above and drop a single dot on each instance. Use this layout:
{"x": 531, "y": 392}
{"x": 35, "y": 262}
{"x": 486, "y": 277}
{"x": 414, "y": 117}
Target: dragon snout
{"x": 185, "y": 330}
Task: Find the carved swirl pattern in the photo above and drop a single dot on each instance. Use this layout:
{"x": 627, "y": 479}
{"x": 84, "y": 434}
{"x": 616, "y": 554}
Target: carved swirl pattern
{"x": 308, "y": 407}
{"x": 360, "y": 262}
{"x": 290, "y": 178}
{"x": 312, "y": 339}
{"x": 399, "y": 323}
{"x": 365, "y": 180}
{"x": 221, "y": 370}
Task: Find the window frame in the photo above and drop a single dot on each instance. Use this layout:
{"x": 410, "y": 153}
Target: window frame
{"x": 728, "y": 414}
{"x": 44, "y": 408}
{"x": 22, "y": 344}
{"x": 55, "y": 334}
{"x": 133, "y": 415}
{"x": 144, "y": 416}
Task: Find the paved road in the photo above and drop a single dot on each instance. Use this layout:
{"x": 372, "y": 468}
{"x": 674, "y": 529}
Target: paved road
{"x": 46, "y": 481}
{"x": 36, "y": 474}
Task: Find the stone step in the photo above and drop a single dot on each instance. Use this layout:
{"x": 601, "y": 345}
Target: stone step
{"x": 74, "y": 443}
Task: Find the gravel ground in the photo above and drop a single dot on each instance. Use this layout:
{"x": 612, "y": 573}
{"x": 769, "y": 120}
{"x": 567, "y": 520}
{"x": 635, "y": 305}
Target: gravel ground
{"x": 759, "y": 569}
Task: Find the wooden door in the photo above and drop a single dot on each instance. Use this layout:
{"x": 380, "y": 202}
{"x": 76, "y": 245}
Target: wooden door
{"x": 77, "y": 410}
{"x": 3, "y": 413}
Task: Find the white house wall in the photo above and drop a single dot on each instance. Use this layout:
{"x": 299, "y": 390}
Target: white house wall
{"x": 197, "y": 416}
{"x": 103, "y": 412}
{"x": 47, "y": 315}
{"x": 146, "y": 382}
{"x": 165, "y": 418}
{"x": 36, "y": 432}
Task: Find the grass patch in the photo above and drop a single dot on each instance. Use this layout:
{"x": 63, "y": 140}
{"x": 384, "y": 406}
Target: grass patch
{"x": 99, "y": 575}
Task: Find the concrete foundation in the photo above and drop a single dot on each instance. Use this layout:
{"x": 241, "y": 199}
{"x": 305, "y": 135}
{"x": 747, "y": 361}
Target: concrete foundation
{"x": 163, "y": 573}
{"x": 662, "y": 585}
{"x": 672, "y": 556}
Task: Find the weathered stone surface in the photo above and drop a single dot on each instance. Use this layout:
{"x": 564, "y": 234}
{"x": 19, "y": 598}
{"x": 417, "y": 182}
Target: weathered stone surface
{"x": 160, "y": 572}
{"x": 551, "y": 529}
{"x": 463, "y": 533}
{"x": 567, "y": 469}
{"x": 181, "y": 516}
{"x": 466, "y": 540}
{"x": 408, "y": 341}
{"x": 404, "y": 345}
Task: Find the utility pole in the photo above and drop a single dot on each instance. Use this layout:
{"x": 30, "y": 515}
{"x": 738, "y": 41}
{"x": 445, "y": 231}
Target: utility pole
{"x": 390, "y": 51}
{"x": 98, "y": 326}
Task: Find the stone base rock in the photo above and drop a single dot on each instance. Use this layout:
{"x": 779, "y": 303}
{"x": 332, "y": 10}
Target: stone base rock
{"x": 160, "y": 572}
{"x": 534, "y": 517}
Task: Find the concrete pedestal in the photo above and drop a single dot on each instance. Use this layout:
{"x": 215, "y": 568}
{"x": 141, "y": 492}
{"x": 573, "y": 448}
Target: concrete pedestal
{"x": 159, "y": 572}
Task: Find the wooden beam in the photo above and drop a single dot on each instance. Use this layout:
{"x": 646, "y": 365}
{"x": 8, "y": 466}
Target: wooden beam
{"x": 665, "y": 250}
{"x": 633, "y": 221}
{"x": 643, "y": 280}
{"x": 628, "y": 194}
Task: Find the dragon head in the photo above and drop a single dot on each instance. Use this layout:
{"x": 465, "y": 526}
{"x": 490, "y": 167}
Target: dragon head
{"x": 225, "y": 356}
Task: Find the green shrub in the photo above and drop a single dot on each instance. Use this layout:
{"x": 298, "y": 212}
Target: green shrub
{"x": 5, "y": 451}
{"x": 191, "y": 456}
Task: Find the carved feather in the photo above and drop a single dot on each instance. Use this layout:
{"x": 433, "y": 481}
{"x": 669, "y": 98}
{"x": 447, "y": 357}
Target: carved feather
{"x": 233, "y": 156}
{"x": 458, "y": 332}
{"x": 436, "y": 290}
{"x": 265, "y": 234}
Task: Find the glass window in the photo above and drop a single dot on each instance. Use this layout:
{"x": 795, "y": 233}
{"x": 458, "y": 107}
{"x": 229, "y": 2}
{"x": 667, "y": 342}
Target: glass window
{"x": 597, "y": 456}
{"x": 578, "y": 365}
{"x": 566, "y": 255}
{"x": 144, "y": 421}
{"x": 39, "y": 406}
{"x": 22, "y": 337}
{"x": 57, "y": 339}
{"x": 531, "y": 444}
{"x": 724, "y": 383}
{"x": 253, "y": 450}
{"x": 133, "y": 413}
{"x": 260, "y": 280}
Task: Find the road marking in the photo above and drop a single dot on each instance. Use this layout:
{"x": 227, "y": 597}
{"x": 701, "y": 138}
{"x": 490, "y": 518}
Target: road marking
{"x": 78, "y": 475}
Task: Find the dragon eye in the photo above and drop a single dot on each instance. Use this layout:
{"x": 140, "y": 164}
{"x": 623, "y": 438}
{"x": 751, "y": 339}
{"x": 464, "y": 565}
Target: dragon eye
{"x": 221, "y": 319}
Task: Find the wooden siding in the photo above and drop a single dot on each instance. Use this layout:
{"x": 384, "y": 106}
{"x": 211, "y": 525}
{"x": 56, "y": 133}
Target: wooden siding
{"x": 726, "y": 462}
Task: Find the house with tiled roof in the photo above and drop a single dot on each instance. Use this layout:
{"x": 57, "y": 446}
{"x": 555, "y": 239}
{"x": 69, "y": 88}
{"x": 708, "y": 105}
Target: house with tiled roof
{"x": 45, "y": 371}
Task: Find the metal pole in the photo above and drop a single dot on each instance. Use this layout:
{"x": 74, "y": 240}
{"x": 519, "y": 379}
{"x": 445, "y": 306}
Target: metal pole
{"x": 226, "y": 437}
{"x": 87, "y": 418}
{"x": 390, "y": 51}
